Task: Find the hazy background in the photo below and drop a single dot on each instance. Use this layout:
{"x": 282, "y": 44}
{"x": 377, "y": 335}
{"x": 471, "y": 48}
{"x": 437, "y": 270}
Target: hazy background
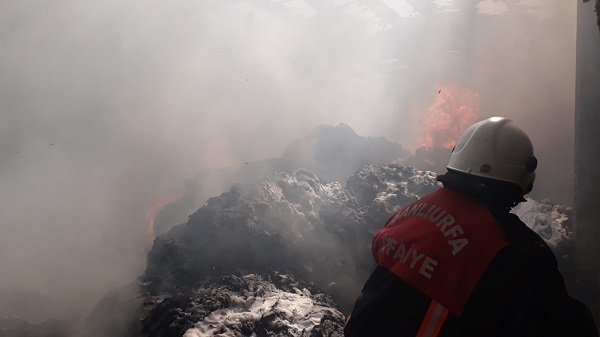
{"x": 106, "y": 107}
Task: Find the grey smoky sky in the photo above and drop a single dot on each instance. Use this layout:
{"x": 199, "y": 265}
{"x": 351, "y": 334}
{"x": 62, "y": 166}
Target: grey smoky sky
{"x": 107, "y": 106}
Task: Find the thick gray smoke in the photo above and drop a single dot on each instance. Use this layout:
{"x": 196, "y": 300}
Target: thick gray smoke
{"x": 106, "y": 107}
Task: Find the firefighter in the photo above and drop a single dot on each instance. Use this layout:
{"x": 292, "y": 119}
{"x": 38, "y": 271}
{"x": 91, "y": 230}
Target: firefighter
{"x": 458, "y": 263}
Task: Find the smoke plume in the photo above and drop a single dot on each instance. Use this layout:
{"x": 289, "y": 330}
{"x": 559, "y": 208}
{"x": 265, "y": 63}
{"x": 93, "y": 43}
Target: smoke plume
{"x": 107, "y": 107}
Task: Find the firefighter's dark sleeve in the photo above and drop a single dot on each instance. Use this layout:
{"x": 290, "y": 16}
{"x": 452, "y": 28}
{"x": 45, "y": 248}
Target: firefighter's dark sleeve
{"x": 522, "y": 293}
{"x": 387, "y": 306}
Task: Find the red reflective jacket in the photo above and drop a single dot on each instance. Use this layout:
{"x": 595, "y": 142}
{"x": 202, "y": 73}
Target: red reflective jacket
{"x": 441, "y": 244}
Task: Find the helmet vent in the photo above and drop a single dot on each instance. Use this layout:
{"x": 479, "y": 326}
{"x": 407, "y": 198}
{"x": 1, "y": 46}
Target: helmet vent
{"x": 531, "y": 164}
{"x": 485, "y": 168}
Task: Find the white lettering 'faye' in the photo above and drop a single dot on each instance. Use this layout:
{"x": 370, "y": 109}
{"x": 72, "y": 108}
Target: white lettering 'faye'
{"x": 443, "y": 220}
{"x": 426, "y": 264}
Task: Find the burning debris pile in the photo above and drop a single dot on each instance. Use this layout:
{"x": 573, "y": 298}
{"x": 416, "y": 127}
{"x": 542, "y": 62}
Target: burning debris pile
{"x": 315, "y": 232}
{"x": 290, "y": 222}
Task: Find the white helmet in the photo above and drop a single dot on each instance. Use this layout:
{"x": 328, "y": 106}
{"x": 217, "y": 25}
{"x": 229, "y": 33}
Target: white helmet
{"x": 496, "y": 148}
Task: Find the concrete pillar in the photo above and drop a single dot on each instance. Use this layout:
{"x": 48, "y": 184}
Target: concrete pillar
{"x": 587, "y": 156}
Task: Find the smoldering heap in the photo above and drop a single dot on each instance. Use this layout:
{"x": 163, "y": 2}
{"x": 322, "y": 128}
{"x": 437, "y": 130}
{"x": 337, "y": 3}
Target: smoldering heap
{"x": 285, "y": 256}
{"x": 292, "y": 223}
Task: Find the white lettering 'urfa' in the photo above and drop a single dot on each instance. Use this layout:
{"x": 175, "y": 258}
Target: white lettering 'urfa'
{"x": 443, "y": 220}
{"x": 423, "y": 263}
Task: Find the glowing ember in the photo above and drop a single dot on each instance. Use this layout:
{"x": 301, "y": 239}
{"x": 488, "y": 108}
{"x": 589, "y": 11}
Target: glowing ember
{"x": 152, "y": 211}
{"x": 454, "y": 109}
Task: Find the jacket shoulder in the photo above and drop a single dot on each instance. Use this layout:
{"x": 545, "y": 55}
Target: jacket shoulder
{"x": 518, "y": 233}
{"x": 525, "y": 247}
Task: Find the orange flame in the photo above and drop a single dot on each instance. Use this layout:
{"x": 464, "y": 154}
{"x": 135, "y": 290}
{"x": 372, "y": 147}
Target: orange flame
{"x": 153, "y": 211}
{"x": 454, "y": 109}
